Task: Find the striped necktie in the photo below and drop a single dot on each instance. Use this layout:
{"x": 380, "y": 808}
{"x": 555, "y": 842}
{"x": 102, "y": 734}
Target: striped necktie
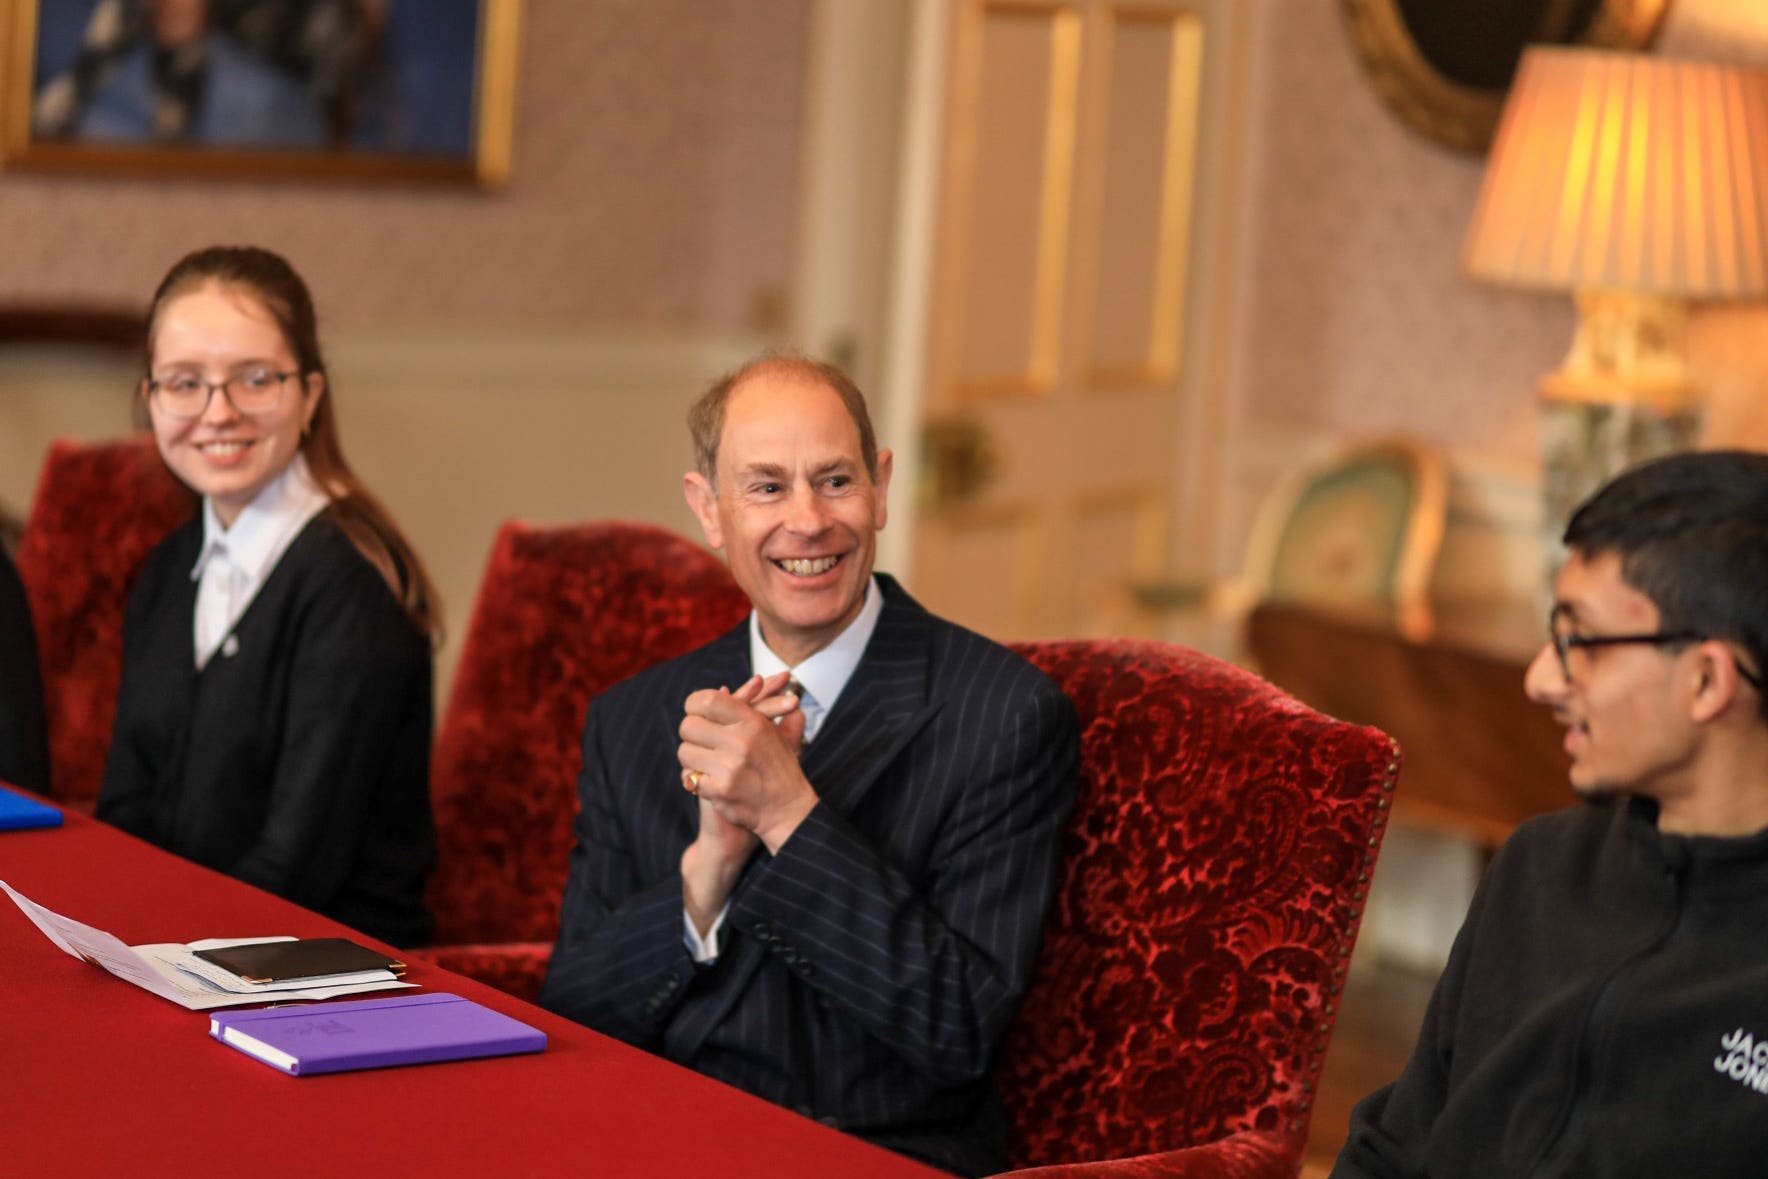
{"x": 813, "y": 712}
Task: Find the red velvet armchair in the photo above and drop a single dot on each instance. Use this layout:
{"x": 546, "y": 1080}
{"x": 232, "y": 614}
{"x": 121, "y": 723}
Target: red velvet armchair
{"x": 99, "y": 510}
{"x": 563, "y": 614}
{"x": 1214, "y": 871}
{"x": 1213, "y": 876}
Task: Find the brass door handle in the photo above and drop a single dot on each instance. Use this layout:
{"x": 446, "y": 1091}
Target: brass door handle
{"x": 959, "y": 459}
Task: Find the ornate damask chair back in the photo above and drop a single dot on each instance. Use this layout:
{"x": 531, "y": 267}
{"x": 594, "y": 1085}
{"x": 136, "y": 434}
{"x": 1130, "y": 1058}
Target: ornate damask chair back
{"x": 99, "y": 509}
{"x": 563, "y": 614}
{"x": 1213, "y": 876}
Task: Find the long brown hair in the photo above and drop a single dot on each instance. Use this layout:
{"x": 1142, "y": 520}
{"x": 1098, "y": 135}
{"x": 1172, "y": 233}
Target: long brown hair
{"x": 269, "y": 279}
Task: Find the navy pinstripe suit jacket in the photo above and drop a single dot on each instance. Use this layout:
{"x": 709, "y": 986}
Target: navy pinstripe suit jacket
{"x": 867, "y": 973}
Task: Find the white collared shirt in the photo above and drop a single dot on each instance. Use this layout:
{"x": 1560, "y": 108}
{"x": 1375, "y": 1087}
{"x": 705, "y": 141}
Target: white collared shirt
{"x": 824, "y": 676}
{"x": 235, "y": 561}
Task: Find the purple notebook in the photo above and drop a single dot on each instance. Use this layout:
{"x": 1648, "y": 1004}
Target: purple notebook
{"x": 373, "y": 1033}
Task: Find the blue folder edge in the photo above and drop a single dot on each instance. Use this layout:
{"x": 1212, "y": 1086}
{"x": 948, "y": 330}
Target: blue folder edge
{"x": 19, "y": 811}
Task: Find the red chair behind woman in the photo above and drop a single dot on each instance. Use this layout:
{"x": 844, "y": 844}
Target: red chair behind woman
{"x": 99, "y": 509}
{"x": 563, "y": 614}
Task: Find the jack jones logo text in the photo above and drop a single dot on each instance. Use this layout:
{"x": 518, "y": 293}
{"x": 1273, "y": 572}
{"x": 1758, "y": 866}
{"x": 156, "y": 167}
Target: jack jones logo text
{"x": 1744, "y": 1059}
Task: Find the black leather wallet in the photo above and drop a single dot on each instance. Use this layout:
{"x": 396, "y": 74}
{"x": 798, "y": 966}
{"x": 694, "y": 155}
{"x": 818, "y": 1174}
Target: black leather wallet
{"x": 266, "y": 962}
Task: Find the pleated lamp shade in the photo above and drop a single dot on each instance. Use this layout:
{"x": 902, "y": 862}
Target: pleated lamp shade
{"x": 1620, "y": 172}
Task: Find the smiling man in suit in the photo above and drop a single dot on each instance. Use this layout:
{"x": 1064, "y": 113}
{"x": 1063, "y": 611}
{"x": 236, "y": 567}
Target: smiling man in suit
{"x": 813, "y": 856}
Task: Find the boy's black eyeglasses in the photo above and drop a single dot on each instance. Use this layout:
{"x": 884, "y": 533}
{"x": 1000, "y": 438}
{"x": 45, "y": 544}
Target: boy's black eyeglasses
{"x": 1564, "y": 641}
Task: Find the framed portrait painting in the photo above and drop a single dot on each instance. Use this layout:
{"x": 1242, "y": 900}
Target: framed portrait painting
{"x": 347, "y": 89}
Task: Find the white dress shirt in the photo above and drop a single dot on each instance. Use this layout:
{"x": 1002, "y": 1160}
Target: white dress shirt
{"x": 236, "y": 559}
{"x": 824, "y": 676}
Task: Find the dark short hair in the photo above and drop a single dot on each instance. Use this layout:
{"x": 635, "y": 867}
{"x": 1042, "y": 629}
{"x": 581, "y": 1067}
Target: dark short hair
{"x": 1691, "y": 531}
{"x": 706, "y": 416}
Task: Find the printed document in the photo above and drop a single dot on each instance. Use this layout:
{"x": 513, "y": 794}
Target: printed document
{"x": 172, "y": 971}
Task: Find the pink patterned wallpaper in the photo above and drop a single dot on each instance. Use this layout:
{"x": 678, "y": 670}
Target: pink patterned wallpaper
{"x": 1356, "y": 317}
{"x": 654, "y": 182}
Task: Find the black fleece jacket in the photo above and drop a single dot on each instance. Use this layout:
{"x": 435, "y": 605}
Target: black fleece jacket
{"x": 1604, "y": 1012}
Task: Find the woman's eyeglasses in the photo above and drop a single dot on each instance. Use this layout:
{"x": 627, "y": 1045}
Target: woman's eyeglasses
{"x": 185, "y": 395}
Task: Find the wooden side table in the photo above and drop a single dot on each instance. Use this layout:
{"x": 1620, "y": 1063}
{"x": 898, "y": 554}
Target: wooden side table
{"x": 1480, "y": 756}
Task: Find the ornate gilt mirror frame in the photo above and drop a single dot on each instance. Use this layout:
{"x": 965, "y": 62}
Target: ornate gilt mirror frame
{"x": 1443, "y": 66}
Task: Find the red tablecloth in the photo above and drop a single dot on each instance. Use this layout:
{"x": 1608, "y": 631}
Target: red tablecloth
{"x": 100, "y": 1077}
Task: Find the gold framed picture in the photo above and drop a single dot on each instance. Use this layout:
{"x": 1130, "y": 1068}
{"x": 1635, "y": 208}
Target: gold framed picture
{"x": 1444, "y": 66}
{"x": 402, "y": 90}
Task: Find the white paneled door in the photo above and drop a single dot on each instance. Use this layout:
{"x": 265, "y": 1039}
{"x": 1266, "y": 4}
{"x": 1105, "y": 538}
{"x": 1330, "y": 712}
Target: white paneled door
{"x": 1055, "y": 356}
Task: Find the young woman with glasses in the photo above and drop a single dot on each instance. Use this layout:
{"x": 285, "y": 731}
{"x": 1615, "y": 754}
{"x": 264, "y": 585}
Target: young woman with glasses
{"x": 274, "y": 720}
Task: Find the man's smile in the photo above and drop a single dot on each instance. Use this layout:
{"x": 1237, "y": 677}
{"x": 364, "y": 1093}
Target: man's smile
{"x": 806, "y": 566}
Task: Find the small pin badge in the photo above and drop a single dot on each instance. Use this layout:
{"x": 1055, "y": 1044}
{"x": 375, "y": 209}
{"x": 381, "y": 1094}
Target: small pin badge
{"x": 230, "y": 646}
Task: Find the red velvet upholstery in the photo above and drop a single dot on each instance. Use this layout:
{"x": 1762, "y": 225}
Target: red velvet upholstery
{"x": 99, "y": 510}
{"x": 1213, "y": 876}
{"x": 515, "y": 968}
{"x": 563, "y": 614}
{"x": 1254, "y": 1154}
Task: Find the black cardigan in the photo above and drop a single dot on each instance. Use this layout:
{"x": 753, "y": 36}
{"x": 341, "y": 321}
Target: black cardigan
{"x": 298, "y": 758}
{"x": 24, "y": 742}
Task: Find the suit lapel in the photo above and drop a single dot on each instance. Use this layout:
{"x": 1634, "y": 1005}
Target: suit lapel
{"x": 880, "y": 710}
{"x": 722, "y": 663}
{"x": 883, "y": 706}
{"x": 175, "y": 640}
{"x": 725, "y": 664}
{"x": 727, "y": 659}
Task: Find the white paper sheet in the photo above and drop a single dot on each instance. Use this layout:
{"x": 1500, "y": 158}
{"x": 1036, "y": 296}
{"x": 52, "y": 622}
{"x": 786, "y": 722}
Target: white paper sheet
{"x": 171, "y": 971}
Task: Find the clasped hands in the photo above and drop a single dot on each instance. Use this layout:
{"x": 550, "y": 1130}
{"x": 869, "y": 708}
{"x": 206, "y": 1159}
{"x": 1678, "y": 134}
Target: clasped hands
{"x": 743, "y": 766}
{"x": 739, "y": 754}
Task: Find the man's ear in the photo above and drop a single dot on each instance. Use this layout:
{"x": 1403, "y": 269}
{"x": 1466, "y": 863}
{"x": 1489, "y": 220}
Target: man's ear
{"x": 882, "y": 483}
{"x": 703, "y": 502}
{"x": 1718, "y": 682}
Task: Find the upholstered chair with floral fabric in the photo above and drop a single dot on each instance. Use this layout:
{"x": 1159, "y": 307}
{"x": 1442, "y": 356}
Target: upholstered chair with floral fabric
{"x": 563, "y": 614}
{"x": 99, "y": 509}
{"x": 1213, "y": 873}
{"x": 1213, "y": 877}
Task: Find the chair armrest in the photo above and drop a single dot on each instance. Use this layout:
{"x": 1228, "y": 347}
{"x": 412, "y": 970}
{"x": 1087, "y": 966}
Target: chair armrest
{"x": 1252, "y": 1154}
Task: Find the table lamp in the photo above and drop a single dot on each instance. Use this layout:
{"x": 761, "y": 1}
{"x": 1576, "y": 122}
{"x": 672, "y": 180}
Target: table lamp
{"x": 1638, "y": 183}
